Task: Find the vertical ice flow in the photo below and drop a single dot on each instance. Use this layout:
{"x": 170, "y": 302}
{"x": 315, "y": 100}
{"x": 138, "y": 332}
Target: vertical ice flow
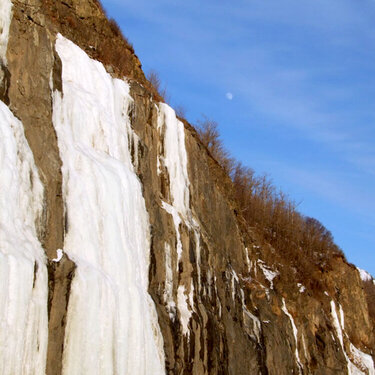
{"x": 23, "y": 275}
{"x": 112, "y": 325}
{"x": 174, "y": 160}
{"x": 295, "y": 334}
{"x": 5, "y": 19}
{"x": 359, "y": 363}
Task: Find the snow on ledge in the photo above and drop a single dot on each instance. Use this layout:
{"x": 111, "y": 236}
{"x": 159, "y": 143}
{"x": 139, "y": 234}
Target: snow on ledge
{"x": 365, "y": 276}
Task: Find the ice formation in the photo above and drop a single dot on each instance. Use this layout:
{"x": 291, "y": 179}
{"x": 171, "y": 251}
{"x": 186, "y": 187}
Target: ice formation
{"x": 183, "y": 308}
{"x": 359, "y": 363}
{"x": 301, "y": 287}
{"x": 295, "y": 334}
{"x": 60, "y": 254}
{"x": 269, "y": 274}
{"x": 23, "y": 274}
{"x": 112, "y": 325}
{"x": 168, "y": 287}
{"x": 5, "y": 18}
{"x": 174, "y": 159}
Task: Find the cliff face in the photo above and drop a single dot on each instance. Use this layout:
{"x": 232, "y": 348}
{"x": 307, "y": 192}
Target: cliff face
{"x": 122, "y": 251}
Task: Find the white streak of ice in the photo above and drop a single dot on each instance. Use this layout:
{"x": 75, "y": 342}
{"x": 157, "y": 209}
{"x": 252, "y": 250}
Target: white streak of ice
{"x": 5, "y": 19}
{"x": 175, "y": 157}
{"x": 60, "y": 254}
{"x": 362, "y": 363}
{"x": 269, "y": 274}
{"x": 177, "y": 221}
{"x": 183, "y": 308}
{"x": 295, "y": 333}
{"x": 247, "y": 259}
{"x": 168, "y": 289}
{"x": 23, "y": 274}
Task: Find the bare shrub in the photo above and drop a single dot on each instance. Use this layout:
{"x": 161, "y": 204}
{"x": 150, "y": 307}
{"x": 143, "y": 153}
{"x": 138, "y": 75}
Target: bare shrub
{"x": 154, "y": 80}
{"x": 209, "y": 134}
{"x": 181, "y": 111}
{"x": 115, "y": 27}
{"x": 301, "y": 242}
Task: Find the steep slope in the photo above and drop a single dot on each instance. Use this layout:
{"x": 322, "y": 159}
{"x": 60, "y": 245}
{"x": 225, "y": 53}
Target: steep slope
{"x": 150, "y": 268}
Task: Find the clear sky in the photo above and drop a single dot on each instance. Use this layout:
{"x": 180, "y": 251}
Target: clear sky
{"x": 291, "y": 84}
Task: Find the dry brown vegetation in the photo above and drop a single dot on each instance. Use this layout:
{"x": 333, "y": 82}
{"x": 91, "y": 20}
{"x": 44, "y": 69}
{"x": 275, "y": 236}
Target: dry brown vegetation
{"x": 300, "y": 241}
{"x": 154, "y": 80}
{"x": 369, "y": 288}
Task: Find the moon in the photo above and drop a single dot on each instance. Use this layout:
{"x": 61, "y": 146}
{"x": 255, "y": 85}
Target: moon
{"x": 229, "y": 95}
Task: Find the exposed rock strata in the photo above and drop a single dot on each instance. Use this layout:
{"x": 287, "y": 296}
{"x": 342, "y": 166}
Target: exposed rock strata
{"x": 244, "y": 314}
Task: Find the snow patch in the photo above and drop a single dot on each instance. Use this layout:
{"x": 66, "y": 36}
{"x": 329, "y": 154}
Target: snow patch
{"x": 23, "y": 273}
{"x": 112, "y": 325}
{"x": 365, "y": 276}
{"x": 301, "y": 287}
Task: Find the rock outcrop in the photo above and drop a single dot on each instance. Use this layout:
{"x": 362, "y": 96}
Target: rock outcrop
{"x": 158, "y": 272}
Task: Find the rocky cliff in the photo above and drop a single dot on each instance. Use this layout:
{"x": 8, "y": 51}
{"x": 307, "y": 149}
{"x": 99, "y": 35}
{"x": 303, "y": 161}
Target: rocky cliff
{"x": 122, "y": 251}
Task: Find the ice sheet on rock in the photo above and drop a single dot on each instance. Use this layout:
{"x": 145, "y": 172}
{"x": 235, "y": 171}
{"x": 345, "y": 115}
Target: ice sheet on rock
{"x": 234, "y": 281}
{"x": 359, "y": 363}
{"x": 183, "y": 308}
{"x": 168, "y": 288}
{"x": 23, "y": 274}
{"x": 172, "y": 155}
{"x": 269, "y": 274}
{"x": 295, "y": 333}
{"x": 177, "y": 221}
{"x": 175, "y": 157}
{"x": 112, "y": 326}
{"x": 257, "y": 328}
{"x": 362, "y": 360}
{"x": 248, "y": 262}
{"x": 5, "y": 19}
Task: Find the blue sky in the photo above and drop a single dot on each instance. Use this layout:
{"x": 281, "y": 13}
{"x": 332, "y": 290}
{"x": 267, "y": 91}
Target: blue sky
{"x": 301, "y": 78}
